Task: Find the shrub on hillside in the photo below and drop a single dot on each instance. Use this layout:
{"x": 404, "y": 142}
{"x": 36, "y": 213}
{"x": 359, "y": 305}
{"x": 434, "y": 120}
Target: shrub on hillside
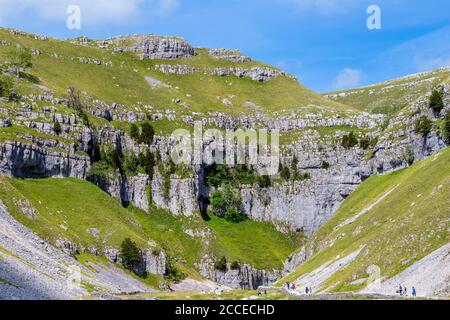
{"x": 364, "y": 143}
{"x": 235, "y": 265}
{"x": 57, "y": 128}
{"x": 264, "y": 181}
{"x": 147, "y": 133}
{"x": 99, "y": 173}
{"x": 130, "y": 254}
{"x": 134, "y": 132}
{"x": 423, "y": 126}
{"x": 6, "y": 86}
{"x": 436, "y": 103}
{"x": 325, "y": 165}
{"x": 447, "y": 127}
{"x": 285, "y": 173}
{"x": 20, "y": 59}
{"x": 221, "y": 264}
{"x": 173, "y": 274}
{"x": 349, "y": 140}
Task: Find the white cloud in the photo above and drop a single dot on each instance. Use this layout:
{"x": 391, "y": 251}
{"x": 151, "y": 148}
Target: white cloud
{"x": 347, "y": 78}
{"x": 93, "y": 12}
{"x": 168, "y": 5}
{"x": 325, "y": 6}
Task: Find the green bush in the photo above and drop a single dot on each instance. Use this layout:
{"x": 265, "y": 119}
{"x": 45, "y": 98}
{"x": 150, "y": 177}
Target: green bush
{"x": 147, "y": 133}
{"x": 134, "y": 132}
{"x": 172, "y": 273}
{"x": 131, "y": 164}
{"x": 423, "y": 126}
{"x": 264, "y": 181}
{"x": 349, "y": 140}
{"x": 235, "y": 265}
{"x": 99, "y": 173}
{"x": 325, "y": 165}
{"x": 447, "y": 127}
{"x": 364, "y": 143}
{"x": 74, "y": 102}
{"x": 221, "y": 264}
{"x": 226, "y": 203}
{"x": 20, "y": 58}
{"x": 130, "y": 254}
{"x": 232, "y": 214}
{"x": 217, "y": 175}
{"x": 436, "y": 103}
{"x": 285, "y": 173}
{"x": 6, "y": 85}
{"x": 57, "y": 128}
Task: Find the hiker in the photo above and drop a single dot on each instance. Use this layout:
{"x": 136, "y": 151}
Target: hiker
{"x": 414, "y": 293}
{"x": 306, "y": 290}
{"x": 310, "y": 290}
{"x": 287, "y": 285}
{"x": 400, "y": 289}
{"x": 265, "y": 292}
{"x": 405, "y": 291}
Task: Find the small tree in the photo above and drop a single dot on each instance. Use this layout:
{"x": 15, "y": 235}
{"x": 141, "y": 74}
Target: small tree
{"x": 6, "y": 85}
{"x": 447, "y": 127}
{"x": 173, "y": 274}
{"x": 423, "y": 126}
{"x": 147, "y": 133}
{"x": 134, "y": 132}
{"x": 57, "y": 128}
{"x": 349, "y": 141}
{"x": 436, "y": 103}
{"x": 221, "y": 264}
{"x": 20, "y": 59}
{"x": 235, "y": 265}
{"x": 264, "y": 181}
{"x": 284, "y": 172}
{"x": 364, "y": 143}
{"x": 130, "y": 254}
{"x": 325, "y": 165}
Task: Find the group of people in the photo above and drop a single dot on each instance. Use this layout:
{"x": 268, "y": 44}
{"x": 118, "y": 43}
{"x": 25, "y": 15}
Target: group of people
{"x": 403, "y": 291}
{"x": 293, "y": 286}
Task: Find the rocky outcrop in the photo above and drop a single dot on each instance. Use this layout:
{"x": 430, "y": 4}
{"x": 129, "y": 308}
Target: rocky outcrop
{"x": 177, "y": 195}
{"x": 244, "y": 277}
{"x": 153, "y": 47}
{"x": 229, "y": 55}
{"x": 25, "y": 160}
{"x": 153, "y": 262}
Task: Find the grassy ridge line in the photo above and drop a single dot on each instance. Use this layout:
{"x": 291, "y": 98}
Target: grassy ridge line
{"x": 391, "y": 96}
{"x": 407, "y": 225}
{"x": 124, "y": 82}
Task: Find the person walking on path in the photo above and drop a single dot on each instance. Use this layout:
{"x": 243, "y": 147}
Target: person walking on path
{"x": 414, "y": 293}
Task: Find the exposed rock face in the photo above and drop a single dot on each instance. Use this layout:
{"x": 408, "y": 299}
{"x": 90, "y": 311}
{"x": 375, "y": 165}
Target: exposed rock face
{"x": 245, "y": 277}
{"x": 152, "y": 47}
{"x": 180, "y": 198}
{"x": 27, "y": 160}
{"x": 155, "y": 263}
{"x": 129, "y": 190}
{"x": 152, "y": 262}
{"x": 229, "y": 55}
{"x": 256, "y": 74}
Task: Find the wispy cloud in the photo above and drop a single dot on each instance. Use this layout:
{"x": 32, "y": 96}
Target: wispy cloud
{"x": 347, "y": 78}
{"x": 427, "y": 52}
{"x": 93, "y": 12}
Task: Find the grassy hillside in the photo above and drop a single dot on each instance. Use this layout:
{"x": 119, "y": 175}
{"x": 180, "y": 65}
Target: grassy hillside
{"x": 124, "y": 81}
{"x": 396, "y": 218}
{"x": 80, "y": 212}
{"x": 391, "y": 96}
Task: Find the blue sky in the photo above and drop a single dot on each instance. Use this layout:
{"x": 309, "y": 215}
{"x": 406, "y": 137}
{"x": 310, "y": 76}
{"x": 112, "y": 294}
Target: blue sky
{"x": 326, "y": 43}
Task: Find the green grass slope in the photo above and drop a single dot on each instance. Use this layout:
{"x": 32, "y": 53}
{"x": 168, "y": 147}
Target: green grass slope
{"x": 391, "y": 96}
{"x": 124, "y": 82}
{"x": 72, "y": 209}
{"x": 407, "y": 218}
